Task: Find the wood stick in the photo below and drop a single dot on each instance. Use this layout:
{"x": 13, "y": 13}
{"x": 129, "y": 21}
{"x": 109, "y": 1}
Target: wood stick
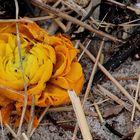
{"x": 54, "y": 11}
{"x": 81, "y": 119}
{"x": 112, "y": 79}
{"x": 136, "y": 97}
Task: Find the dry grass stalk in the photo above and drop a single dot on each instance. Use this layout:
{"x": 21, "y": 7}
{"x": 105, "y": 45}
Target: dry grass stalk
{"x": 81, "y": 119}
{"x": 99, "y": 112}
{"x": 126, "y": 24}
{"x": 123, "y": 90}
{"x": 87, "y": 45}
{"x": 56, "y": 12}
{"x": 77, "y": 44}
{"x": 75, "y": 7}
{"x": 11, "y": 90}
{"x": 41, "y": 18}
{"x": 132, "y": 21}
{"x": 132, "y": 87}
{"x": 11, "y": 131}
{"x": 70, "y": 108}
{"x": 125, "y": 78}
{"x": 60, "y": 24}
{"x": 100, "y": 102}
{"x": 65, "y": 121}
{"x": 105, "y": 92}
{"x": 136, "y": 97}
{"x": 58, "y": 122}
{"x": 60, "y": 109}
{"x": 136, "y": 10}
{"x": 93, "y": 72}
{"x": 16, "y": 20}
{"x": 90, "y": 83}
{"x": 137, "y": 134}
{"x": 57, "y": 22}
{"x": 54, "y": 26}
{"x": 80, "y": 11}
{"x": 24, "y": 136}
{"x": 25, "y": 84}
{"x": 83, "y": 51}
{"x": 103, "y": 101}
{"x": 1, "y": 123}
{"x": 31, "y": 117}
{"x": 89, "y": 113}
{"x": 40, "y": 119}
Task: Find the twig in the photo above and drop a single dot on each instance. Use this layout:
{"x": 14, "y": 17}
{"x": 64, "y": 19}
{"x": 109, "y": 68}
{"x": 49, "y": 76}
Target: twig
{"x": 2, "y": 131}
{"x": 54, "y": 11}
{"x": 136, "y": 97}
{"x": 80, "y": 115}
{"x": 112, "y": 79}
{"x": 40, "y": 119}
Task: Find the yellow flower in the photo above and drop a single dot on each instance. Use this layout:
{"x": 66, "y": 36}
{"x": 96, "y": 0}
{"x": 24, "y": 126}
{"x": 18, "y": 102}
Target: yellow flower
{"x": 49, "y": 63}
